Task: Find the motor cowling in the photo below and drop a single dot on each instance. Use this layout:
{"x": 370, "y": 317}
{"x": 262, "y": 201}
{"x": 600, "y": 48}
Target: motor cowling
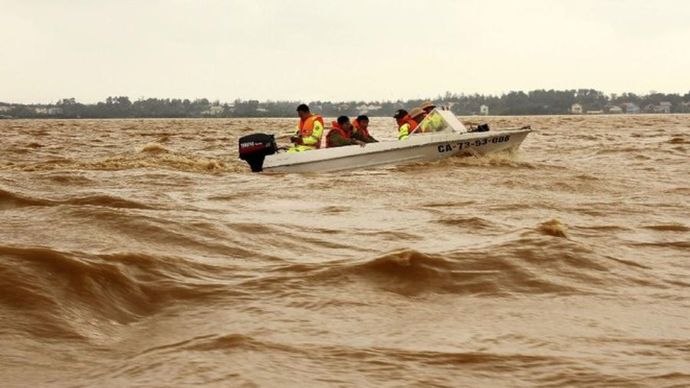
{"x": 255, "y": 147}
{"x": 480, "y": 128}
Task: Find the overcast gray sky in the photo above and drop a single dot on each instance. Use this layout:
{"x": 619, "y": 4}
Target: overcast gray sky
{"x": 337, "y": 50}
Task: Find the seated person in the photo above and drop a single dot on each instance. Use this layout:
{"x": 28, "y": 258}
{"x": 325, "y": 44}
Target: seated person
{"x": 341, "y": 134}
{"x": 308, "y": 132}
{"x": 408, "y": 122}
{"x": 361, "y": 129}
{"x": 405, "y": 124}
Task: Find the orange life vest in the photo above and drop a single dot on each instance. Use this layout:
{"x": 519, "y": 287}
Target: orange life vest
{"x": 407, "y": 120}
{"x": 306, "y": 126}
{"x": 336, "y": 129}
{"x": 358, "y": 127}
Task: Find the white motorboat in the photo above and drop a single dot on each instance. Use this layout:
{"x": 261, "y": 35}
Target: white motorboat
{"x": 450, "y": 138}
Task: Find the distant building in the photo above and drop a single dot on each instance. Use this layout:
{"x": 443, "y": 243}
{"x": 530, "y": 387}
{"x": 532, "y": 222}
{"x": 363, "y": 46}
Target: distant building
{"x": 595, "y": 112}
{"x": 576, "y": 109}
{"x": 484, "y": 110}
{"x": 631, "y": 108}
{"x": 364, "y": 108}
{"x": 615, "y": 110}
{"x": 214, "y": 110}
{"x": 5, "y": 108}
{"x": 664, "y": 107}
{"x": 48, "y": 110}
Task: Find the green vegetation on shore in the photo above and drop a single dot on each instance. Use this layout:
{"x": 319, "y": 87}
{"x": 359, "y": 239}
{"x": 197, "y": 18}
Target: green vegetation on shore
{"x": 536, "y": 102}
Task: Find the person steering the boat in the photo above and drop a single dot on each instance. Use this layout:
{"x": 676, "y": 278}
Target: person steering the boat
{"x": 309, "y": 131}
{"x": 433, "y": 122}
{"x": 342, "y": 134}
{"x": 361, "y": 129}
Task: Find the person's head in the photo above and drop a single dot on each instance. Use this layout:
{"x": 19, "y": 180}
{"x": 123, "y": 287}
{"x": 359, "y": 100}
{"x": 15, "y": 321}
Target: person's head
{"x": 428, "y": 106}
{"x": 303, "y": 111}
{"x": 400, "y": 114}
{"x": 344, "y": 123}
{"x": 417, "y": 114}
{"x": 363, "y": 121}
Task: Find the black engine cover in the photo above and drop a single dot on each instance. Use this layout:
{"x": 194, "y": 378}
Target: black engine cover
{"x": 255, "y": 147}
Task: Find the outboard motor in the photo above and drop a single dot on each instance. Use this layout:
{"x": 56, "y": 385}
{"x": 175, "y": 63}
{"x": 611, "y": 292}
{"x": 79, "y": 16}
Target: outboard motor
{"x": 481, "y": 128}
{"x": 255, "y": 147}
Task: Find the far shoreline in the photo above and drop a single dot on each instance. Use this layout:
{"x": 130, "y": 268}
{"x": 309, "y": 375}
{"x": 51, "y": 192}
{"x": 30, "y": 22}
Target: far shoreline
{"x": 8, "y": 119}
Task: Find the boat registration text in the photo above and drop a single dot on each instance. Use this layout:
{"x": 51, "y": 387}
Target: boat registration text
{"x": 449, "y": 147}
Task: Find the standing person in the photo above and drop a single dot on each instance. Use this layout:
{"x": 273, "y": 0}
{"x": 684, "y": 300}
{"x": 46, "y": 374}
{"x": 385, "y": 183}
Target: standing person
{"x": 433, "y": 121}
{"x": 405, "y": 123}
{"x": 342, "y": 134}
{"x": 309, "y": 131}
{"x": 418, "y": 115}
{"x": 428, "y": 106}
{"x": 361, "y": 129}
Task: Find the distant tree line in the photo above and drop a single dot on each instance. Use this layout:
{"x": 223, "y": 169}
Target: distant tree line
{"x": 535, "y": 102}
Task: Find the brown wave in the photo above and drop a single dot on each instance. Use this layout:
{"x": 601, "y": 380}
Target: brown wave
{"x": 587, "y": 177}
{"x": 531, "y": 264}
{"x": 481, "y": 273}
{"x": 235, "y": 341}
{"x": 152, "y": 155}
{"x": 627, "y": 150}
{"x": 679, "y": 140}
{"x": 10, "y": 200}
{"x": 61, "y": 292}
{"x": 679, "y": 190}
{"x": 669, "y": 227}
{"x": 154, "y": 148}
{"x": 470, "y": 223}
{"x": 444, "y": 367}
{"x": 683, "y": 244}
{"x": 447, "y": 204}
{"x": 335, "y": 209}
{"x": 603, "y": 228}
{"x": 509, "y": 159}
{"x": 69, "y": 178}
{"x": 105, "y": 201}
{"x": 155, "y": 156}
{"x": 552, "y": 228}
{"x": 166, "y": 234}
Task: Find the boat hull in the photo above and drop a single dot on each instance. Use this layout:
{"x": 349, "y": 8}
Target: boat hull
{"x": 417, "y": 148}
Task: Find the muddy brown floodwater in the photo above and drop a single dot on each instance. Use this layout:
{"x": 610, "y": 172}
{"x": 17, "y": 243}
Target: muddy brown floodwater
{"x": 142, "y": 253}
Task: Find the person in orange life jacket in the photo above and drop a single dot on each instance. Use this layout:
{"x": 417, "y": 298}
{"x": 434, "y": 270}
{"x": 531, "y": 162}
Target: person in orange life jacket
{"x": 406, "y": 123}
{"x": 309, "y": 131}
{"x": 341, "y": 134}
{"x": 361, "y": 129}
